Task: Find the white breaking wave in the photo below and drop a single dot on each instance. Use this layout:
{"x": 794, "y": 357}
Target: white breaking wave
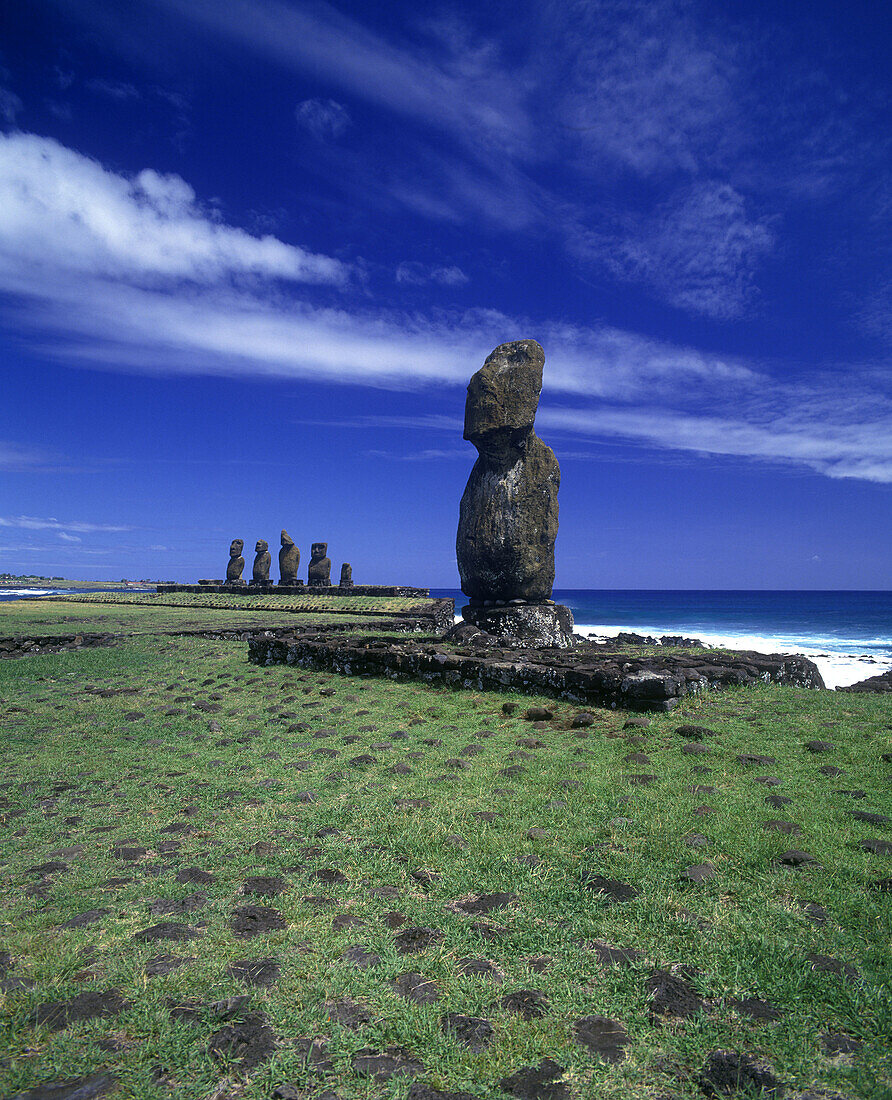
{"x": 838, "y": 668}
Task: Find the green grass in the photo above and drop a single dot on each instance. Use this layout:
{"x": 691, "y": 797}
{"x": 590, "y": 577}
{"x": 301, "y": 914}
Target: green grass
{"x": 69, "y": 616}
{"x": 132, "y": 777}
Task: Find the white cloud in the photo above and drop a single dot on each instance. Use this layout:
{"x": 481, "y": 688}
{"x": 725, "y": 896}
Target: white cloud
{"x": 837, "y": 446}
{"x": 413, "y": 273}
{"x": 65, "y": 537}
{"x": 114, "y": 89}
{"x": 10, "y": 105}
{"x": 700, "y": 250}
{"x": 326, "y": 119}
{"x": 36, "y": 523}
{"x": 62, "y": 211}
{"x": 17, "y": 459}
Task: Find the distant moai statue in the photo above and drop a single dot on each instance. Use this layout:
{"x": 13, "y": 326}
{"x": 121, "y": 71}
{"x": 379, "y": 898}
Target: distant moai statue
{"x": 289, "y": 560}
{"x": 346, "y": 580}
{"x": 319, "y": 572}
{"x": 236, "y": 562}
{"x": 261, "y": 563}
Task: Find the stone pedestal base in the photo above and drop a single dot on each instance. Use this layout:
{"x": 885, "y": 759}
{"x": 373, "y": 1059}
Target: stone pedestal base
{"x": 287, "y": 583}
{"x": 531, "y": 624}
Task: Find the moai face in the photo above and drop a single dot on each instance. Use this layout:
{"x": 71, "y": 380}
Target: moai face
{"x": 287, "y": 540}
{"x": 261, "y": 547}
{"x": 320, "y": 549}
{"x": 236, "y": 547}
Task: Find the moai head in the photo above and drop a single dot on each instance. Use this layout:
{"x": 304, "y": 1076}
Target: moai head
{"x": 287, "y": 540}
{"x": 503, "y": 397}
{"x": 261, "y": 547}
{"x": 236, "y": 547}
{"x": 319, "y": 550}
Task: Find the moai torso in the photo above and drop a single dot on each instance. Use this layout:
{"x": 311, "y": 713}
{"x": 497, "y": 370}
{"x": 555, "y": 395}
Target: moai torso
{"x": 319, "y": 572}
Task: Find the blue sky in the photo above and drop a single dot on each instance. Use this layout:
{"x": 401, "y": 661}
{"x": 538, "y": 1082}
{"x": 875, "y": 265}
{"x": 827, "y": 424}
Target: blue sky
{"x": 251, "y": 251}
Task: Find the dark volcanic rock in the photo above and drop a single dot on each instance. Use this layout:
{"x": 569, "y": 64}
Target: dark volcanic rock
{"x": 474, "y": 1032}
{"x": 382, "y": 1064}
{"x": 319, "y": 569}
{"x": 254, "y": 920}
{"x": 259, "y": 972}
{"x": 236, "y": 562}
{"x": 509, "y": 512}
{"x": 262, "y": 562}
{"x": 85, "y": 1006}
{"x": 728, "y": 1073}
{"x": 81, "y": 1088}
{"x": 415, "y": 987}
{"x": 611, "y": 889}
{"x": 415, "y": 938}
{"x": 537, "y": 1082}
{"x": 602, "y": 1036}
{"x": 672, "y": 995}
{"x": 529, "y": 1003}
{"x": 250, "y": 1042}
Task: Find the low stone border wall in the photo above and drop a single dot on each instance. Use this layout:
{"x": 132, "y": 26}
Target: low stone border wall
{"x": 32, "y": 645}
{"x": 299, "y": 589}
{"x": 585, "y": 674}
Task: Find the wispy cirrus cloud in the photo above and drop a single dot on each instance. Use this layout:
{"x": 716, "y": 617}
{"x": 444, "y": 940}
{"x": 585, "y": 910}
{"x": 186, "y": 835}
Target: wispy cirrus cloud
{"x": 325, "y": 119}
{"x": 182, "y": 302}
{"x": 50, "y": 523}
{"x": 412, "y": 273}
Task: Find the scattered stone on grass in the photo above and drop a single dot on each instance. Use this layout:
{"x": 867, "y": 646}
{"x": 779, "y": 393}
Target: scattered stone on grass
{"x": 672, "y": 995}
{"x": 415, "y": 938}
{"x": 609, "y": 888}
{"x": 160, "y": 965}
{"x": 474, "y": 1032}
{"x": 529, "y": 1003}
{"x": 83, "y": 919}
{"x": 194, "y": 874}
{"x": 827, "y": 964}
{"x": 85, "y": 1006}
{"x": 80, "y": 1088}
{"x": 392, "y": 1061}
{"x": 602, "y": 1036}
{"x": 614, "y": 956}
{"x": 756, "y": 1008}
{"x": 876, "y": 846}
{"x": 835, "y": 1043}
{"x": 479, "y": 968}
{"x": 699, "y": 872}
{"x": 255, "y": 920}
{"x": 694, "y": 733}
{"x": 415, "y": 987}
{"x": 778, "y": 800}
{"x": 729, "y": 1073}
{"x": 249, "y": 1043}
{"x": 481, "y": 904}
{"x": 258, "y": 972}
{"x": 165, "y": 907}
{"x": 819, "y": 746}
{"x": 537, "y": 1082}
{"x": 266, "y": 886}
{"x": 788, "y": 828}
{"x": 360, "y": 956}
{"x": 870, "y": 818}
{"x": 348, "y": 1013}
{"x": 166, "y": 930}
{"x": 795, "y": 858}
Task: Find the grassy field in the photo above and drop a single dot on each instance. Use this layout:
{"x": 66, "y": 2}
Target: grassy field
{"x": 58, "y": 616}
{"x": 221, "y": 880}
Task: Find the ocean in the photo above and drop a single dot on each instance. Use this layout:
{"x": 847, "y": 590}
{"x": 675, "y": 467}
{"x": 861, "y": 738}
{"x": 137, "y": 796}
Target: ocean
{"x": 847, "y": 634}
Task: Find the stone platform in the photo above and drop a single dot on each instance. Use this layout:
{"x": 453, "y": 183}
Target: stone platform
{"x": 526, "y": 624}
{"x": 596, "y": 675}
{"x": 300, "y": 589}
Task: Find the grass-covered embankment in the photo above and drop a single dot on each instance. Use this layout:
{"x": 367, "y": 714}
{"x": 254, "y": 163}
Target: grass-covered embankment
{"x": 363, "y": 818}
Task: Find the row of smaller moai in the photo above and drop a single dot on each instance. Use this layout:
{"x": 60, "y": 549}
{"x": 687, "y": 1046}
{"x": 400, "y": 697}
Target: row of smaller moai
{"x": 318, "y": 572}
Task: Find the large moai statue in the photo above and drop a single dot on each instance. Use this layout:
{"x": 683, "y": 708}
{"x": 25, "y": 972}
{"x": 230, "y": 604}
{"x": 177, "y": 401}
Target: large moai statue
{"x": 236, "y": 562}
{"x": 508, "y": 519}
{"x": 262, "y": 563}
{"x": 319, "y": 571}
{"x": 289, "y": 561}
